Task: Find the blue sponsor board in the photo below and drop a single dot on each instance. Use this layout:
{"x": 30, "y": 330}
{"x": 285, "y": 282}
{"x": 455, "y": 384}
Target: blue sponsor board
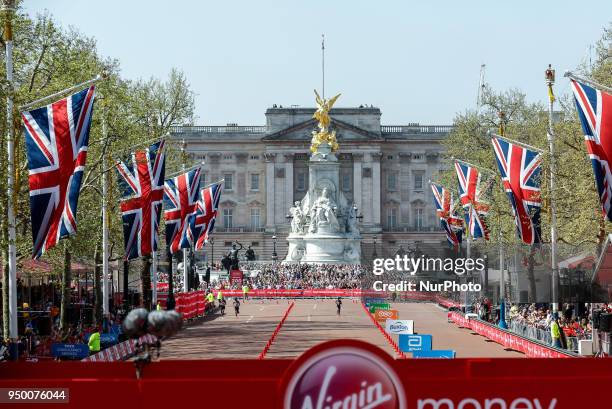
{"x": 370, "y": 300}
{"x": 413, "y": 342}
{"x": 75, "y": 351}
{"x": 440, "y": 353}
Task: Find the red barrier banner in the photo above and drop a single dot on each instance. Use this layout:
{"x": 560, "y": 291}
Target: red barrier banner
{"x": 336, "y": 373}
{"x": 509, "y": 340}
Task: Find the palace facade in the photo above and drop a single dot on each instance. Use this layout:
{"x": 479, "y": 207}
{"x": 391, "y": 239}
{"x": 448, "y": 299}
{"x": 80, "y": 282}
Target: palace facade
{"x": 384, "y": 170}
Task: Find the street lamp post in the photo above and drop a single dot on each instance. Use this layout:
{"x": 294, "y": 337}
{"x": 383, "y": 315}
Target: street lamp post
{"x": 549, "y": 75}
{"x": 8, "y": 8}
{"x": 274, "y": 255}
{"x": 212, "y": 250}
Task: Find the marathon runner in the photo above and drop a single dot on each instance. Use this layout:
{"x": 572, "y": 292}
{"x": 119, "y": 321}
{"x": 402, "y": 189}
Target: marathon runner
{"x": 236, "y": 306}
{"x": 222, "y": 306}
{"x": 339, "y": 304}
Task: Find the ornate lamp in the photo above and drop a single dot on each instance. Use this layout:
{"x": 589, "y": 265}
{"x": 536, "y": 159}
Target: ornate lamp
{"x": 274, "y": 255}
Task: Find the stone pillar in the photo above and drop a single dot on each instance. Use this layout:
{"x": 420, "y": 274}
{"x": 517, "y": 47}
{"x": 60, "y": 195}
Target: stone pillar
{"x": 288, "y": 185}
{"x": 270, "y": 158}
{"x": 376, "y": 181}
{"x": 357, "y": 171}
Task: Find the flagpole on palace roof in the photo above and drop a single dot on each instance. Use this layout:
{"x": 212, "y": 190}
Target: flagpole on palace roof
{"x": 588, "y": 81}
{"x": 550, "y": 80}
{"x": 8, "y": 9}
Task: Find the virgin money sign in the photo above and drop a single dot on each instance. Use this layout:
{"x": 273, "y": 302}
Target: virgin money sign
{"x": 384, "y": 315}
{"x": 343, "y": 375}
{"x": 398, "y": 327}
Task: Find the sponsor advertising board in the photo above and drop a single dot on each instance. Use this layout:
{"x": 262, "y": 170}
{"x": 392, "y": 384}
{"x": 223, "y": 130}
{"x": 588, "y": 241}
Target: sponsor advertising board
{"x": 411, "y": 343}
{"x": 440, "y": 353}
{"x": 398, "y": 327}
{"x": 384, "y": 315}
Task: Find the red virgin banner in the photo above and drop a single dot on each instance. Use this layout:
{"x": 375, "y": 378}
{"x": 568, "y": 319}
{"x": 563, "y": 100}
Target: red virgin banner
{"x": 331, "y": 373}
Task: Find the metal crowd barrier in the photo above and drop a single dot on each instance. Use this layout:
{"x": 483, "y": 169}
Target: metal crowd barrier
{"x": 540, "y": 335}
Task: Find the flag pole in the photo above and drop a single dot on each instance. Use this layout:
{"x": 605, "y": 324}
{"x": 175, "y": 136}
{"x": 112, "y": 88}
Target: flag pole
{"x": 105, "y": 255}
{"x": 524, "y": 145}
{"x": 550, "y": 80}
{"x": 68, "y": 90}
{"x": 589, "y": 81}
{"x": 8, "y": 9}
{"x": 154, "y": 278}
{"x": 480, "y": 168}
{"x": 185, "y": 271}
{"x": 502, "y": 280}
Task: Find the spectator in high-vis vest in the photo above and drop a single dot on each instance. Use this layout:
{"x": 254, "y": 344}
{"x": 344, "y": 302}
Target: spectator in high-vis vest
{"x": 555, "y": 331}
{"x": 94, "y": 342}
{"x": 245, "y": 292}
{"x": 210, "y": 298}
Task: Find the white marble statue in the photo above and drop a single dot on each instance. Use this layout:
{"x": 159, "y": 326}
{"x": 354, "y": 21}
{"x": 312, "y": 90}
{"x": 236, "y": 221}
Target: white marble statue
{"x": 351, "y": 221}
{"x": 323, "y": 213}
{"x": 299, "y": 218}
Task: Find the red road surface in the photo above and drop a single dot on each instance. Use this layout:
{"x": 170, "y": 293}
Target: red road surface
{"x": 309, "y": 323}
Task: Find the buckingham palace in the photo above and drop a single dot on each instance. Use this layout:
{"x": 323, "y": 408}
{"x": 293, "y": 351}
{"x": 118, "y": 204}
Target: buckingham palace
{"x": 384, "y": 171}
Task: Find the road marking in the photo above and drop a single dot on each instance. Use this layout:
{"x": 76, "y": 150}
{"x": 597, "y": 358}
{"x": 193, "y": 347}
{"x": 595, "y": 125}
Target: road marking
{"x": 261, "y": 308}
{"x": 314, "y": 307}
{"x": 309, "y": 318}
{"x": 250, "y": 318}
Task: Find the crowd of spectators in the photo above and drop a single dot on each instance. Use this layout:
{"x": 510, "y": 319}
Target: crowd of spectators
{"x": 540, "y": 316}
{"x": 298, "y": 276}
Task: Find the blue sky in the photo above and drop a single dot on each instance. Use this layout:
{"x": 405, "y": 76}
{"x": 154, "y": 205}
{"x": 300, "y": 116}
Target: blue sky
{"x": 417, "y": 61}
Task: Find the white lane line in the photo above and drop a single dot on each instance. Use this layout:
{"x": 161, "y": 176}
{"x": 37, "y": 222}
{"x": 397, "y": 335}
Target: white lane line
{"x": 309, "y": 318}
{"x": 250, "y": 318}
{"x": 261, "y": 308}
{"x": 314, "y": 307}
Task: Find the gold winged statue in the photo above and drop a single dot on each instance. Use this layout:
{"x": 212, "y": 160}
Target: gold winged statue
{"x": 322, "y": 115}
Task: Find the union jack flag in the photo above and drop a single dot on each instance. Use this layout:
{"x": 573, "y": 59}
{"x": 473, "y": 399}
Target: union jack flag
{"x": 206, "y": 213}
{"x": 449, "y": 221}
{"x": 470, "y": 195}
{"x": 141, "y": 183}
{"x": 56, "y": 137}
{"x": 180, "y": 201}
{"x": 520, "y": 170}
{"x": 595, "y": 112}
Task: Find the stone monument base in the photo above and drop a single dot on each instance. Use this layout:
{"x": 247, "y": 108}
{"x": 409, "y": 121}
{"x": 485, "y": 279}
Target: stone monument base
{"x": 324, "y": 249}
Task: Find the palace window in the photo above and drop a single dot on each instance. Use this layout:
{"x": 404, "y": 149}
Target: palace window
{"x": 418, "y": 219}
{"x": 227, "y": 156}
{"x": 391, "y": 181}
{"x": 228, "y": 218}
{"x": 392, "y": 217}
{"x": 229, "y": 181}
{"x": 346, "y": 182}
{"x": 255, "y": 181}
{"x": 301, "y": 181}
{"x": 418, "y": 181}
{"x": 255, "y": 217}
{"x": 254, "y": 157}
{"x": 203, "y": 179}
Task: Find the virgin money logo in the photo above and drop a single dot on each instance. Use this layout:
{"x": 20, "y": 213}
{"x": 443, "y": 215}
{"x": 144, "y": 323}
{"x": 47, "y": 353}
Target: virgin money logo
{"x": 344, "y": 377}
